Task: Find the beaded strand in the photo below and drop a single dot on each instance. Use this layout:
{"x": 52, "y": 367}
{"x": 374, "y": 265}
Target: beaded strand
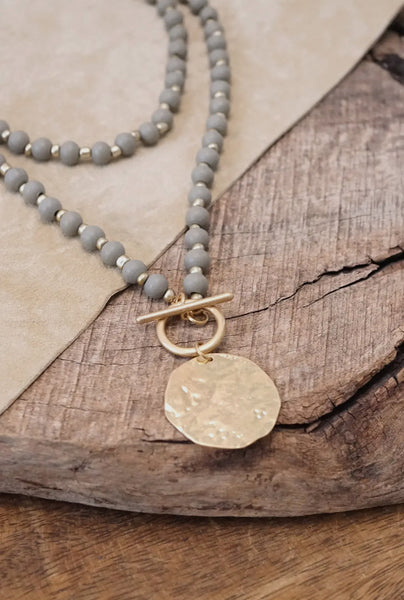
{"x": 92, "y": 237}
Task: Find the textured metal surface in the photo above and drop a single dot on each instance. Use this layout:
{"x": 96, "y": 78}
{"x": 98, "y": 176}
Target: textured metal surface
{"x": 229, "y": 402}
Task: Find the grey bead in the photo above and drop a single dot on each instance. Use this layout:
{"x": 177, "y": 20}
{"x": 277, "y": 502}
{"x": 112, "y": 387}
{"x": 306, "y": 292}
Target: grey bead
{"x": 219, "y": 105}
{"x": 156, "y": 286}
{"x": 126, "y": 143}
{"x": 200, "y": 191}
{"x": 211, "y": 27}
{"x": 149, "y": 134}
{"x": 178, "y": 32}
{"x": 31, "y": 191}
{"x": 216, "y": 42}
{"x": 197, "y": 215}
{"x": 172, "y": 18}
{"x": 14, "y": 178}
{"x": 89, "y": 237}
{"x": 132, "y": 269}
{"x": 162, "y": 6}
{"x": 196, "y": 235}
{"x": 208, "y": 13}
{"x": 70, "y": 223}
{"x": 197, "y": 5}
{"x": 17, "y": 140}
{"x": 196, "y": 283}
{"x": 162, "y": 115}
{"x": 208, "y": 156}
{"x": 175, "y": 78}
{"x": 48, "y": 209}
{"x": 175, "y": 63}
{"x": 41, "y": 149}
{"x": 178, "y": 48}
{"x": 110, "y": 252}
{"x": 172, "y": 98}
{"x": 101, "y": 153}
{"x": 218, "y": 122}
{"x": 69, "y": 153}
{"x": 197, "y": 258}
{"x": 219, "y": 54}
{"x": 220, "y": 86}
{"x": 202, "y": 173}
{"x": 4, "y": 126}
{"x": 220, "y": 72}
{"x": 213, "y": 137}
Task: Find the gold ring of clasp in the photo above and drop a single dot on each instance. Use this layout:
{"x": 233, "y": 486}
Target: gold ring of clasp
{"x": 200, "y": 350}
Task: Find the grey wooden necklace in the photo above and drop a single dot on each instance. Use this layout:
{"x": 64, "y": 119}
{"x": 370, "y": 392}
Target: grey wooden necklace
{"x": 214, "y": 399}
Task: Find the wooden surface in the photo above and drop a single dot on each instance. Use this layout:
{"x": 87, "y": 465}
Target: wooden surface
{"x": 311, "y": 241}
{"x": 56, "y": 551}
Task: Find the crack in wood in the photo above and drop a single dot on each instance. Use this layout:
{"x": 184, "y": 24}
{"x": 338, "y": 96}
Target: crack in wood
{"x": 380, "y": 264}
{"x": 389, "y": 60}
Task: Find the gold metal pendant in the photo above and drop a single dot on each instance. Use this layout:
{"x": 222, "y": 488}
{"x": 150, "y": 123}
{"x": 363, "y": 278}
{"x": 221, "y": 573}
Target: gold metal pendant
{"x": 216, "y": 400}
{"x": 226, "y": 402}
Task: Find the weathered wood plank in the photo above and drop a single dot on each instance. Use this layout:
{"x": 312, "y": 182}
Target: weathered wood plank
{"x": 311, "y": 241}
{"x": 56, "y": 551}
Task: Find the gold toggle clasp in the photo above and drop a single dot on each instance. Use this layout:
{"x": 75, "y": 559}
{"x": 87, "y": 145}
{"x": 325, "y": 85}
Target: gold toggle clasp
{"x": 176, "y": 308}
{"x": 196, "y": 312}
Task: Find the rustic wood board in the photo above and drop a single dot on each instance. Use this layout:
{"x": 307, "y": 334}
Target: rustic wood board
{"x": 67, "y": 551}
{"x": 311, "y": 241}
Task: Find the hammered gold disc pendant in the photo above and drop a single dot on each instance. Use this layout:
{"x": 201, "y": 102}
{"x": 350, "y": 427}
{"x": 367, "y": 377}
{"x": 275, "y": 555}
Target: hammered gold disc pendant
{"x": 226, "y": 402}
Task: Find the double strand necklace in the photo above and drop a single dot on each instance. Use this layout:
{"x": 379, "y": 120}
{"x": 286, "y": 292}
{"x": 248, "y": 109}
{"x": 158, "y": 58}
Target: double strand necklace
{"x": 214, "y": 399}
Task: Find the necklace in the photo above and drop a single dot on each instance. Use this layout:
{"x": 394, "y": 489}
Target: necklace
{"x": 214, "y": 399}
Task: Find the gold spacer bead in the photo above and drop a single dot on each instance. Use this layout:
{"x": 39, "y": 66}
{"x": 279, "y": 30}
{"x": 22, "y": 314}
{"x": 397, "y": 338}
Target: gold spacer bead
{"x": 194, "y": 226}
{"x": 162, "y": 127}
{"x": 217, "y": 32}
{"x": 169, "y": 296}
{"x": 59, "y": 214}
{"x": 21, "y": 188}
{"x": 198, "y": 246}
{"x": 85, "y": 153}
{"x": 116, "y": 151}
{"x": 5, "y": 135}
{"x": 40, "y": 198}
{"x": 55, "y": 151}
{"x": 4, "y": 168}
{"x": 82, "y": 228}
{"x": 122, "y": 260}
{"x": 101, "y": 242}
{"x": 200, "y": 184}
{"x": 214, "y": 147}
{"x": 196, "y": 296}
{"x": 28, "y": 149}
{"x": 198, "y": 202}
{"x": 136, "y": 135}
{"x": 219, "y": 94}
{"x": 164, "y": 105}
{"x": 220, "y": 62}
{"x": 195, "y": 270}
{"x": 175, "y": 88}
{"x": 143, "y": 277}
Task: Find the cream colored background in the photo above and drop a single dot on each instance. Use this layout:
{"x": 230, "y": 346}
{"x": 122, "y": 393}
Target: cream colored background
{"x": 88, "y": 70}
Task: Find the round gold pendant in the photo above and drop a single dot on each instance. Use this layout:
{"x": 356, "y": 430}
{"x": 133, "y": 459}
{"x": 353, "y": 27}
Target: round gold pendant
{"x": 227, "y": 402}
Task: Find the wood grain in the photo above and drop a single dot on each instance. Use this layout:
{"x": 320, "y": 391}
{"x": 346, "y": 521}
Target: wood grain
{"x": 57, "y": 551}
{"x": 311, "y": 241}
